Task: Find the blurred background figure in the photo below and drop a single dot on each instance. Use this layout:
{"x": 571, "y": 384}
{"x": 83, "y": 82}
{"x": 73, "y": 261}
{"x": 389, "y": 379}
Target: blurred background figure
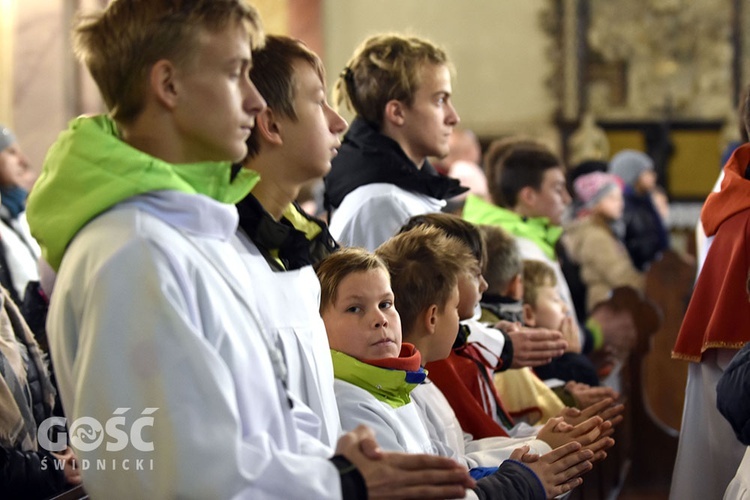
{"x": 645, "y": 233}
{"x": 464, "y": 164}
{"x": 19, "y": 252}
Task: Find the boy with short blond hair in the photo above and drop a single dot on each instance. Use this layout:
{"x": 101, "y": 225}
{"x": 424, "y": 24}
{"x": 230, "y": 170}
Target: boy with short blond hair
{"x": 400, "y": 89}
{"x": 543, "y": 307}
{"x": 376, "y": 373}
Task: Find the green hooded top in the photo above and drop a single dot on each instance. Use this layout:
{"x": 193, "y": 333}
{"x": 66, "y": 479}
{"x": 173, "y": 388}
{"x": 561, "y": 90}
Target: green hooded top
{"x": 390, "y": 386}
{"x": 89, "y": 169}
{"x": 537, "y": 229}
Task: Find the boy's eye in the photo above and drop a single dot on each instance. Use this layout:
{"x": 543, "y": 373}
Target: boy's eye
{"x": 353, "y": 309}
{"x": 386, "y": 304}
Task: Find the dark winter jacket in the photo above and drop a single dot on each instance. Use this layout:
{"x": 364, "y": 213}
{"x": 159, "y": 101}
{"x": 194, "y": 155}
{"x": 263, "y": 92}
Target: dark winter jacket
{"x": 366, "y": 157}
{"x": 733, "y": 394}
{"x": 645, "y": 235}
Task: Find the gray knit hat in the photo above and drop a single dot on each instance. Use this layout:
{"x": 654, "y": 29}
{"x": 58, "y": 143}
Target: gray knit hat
{"x": 629, "y": 164}
{"x": 6, "y": 137}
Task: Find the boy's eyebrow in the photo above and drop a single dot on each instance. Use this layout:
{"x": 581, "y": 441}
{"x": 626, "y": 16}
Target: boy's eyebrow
{"x": 245, "y": 61}
{"x": 361, "y": 297}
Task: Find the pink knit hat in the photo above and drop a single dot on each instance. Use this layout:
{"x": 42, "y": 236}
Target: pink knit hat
{"x": 591, "y": 188}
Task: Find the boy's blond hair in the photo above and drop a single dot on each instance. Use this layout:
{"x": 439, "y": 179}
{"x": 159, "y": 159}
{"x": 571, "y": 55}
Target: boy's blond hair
{"x": 334, "y": 268}
{"x": 425, "y": 265}
{"x": 503, "y": 258}
{"x": 273, "y": 75}
{"x": 120, "y": 44}
{"x": 536, "y": 274}
{"x": 383, "y": 68}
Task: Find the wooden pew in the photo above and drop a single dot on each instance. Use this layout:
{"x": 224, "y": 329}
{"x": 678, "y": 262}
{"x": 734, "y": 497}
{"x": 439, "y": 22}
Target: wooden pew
{"x": 608, "y": 478}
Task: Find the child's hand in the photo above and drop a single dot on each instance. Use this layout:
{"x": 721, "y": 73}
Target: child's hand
{"x": 556, "y": 432}
{"x": 559, "y": 470}
{"x": 533, "y": 346}
{"x": 569, "y": 329}
{"x": 605, "y": 409}
{"x": 585, "y": 395}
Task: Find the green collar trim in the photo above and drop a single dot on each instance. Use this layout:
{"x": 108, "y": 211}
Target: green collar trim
{"x": 90, "y": 169}
{"x": 537, "y": 229}
{"x": 302, "y": 223}
{"x": 385, "y": 385}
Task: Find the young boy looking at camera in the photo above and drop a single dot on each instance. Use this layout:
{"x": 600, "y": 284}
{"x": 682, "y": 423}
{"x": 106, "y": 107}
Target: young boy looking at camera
{"x": 376, "y": 372}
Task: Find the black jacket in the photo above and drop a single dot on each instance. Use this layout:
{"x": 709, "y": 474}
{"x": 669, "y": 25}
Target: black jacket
{"x": 367, "y": 157}
{"x": 733, "y": 394}
{"x": 512, "y": 481}
{"x": 293, "y": 247}
{"x": 645, "y": 235}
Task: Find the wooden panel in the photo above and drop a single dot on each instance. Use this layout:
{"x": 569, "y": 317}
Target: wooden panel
{"x": 669, "y": 283}
{"x": 695, "y": 164}
{"x": 625, "y": 139}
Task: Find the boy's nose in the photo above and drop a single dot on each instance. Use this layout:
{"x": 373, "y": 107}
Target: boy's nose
{"x": 254, "y": 102}
{"x": 483, "y": 285}
{"x": 379, "y": 320}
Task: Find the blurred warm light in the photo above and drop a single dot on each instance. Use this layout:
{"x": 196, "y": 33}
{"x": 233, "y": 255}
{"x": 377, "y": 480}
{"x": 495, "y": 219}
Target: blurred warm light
{"x": 7, "y": 18}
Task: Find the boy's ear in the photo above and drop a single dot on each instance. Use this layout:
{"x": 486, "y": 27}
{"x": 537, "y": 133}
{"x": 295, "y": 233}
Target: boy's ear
{"x": 529, "y": 317}
{"x": 527, "y": 196}
{"x": 394, "y": 112}
{"x": 268, "y": 126}
{"x": 163, "y": 82}
{"x": 429, "y": 318}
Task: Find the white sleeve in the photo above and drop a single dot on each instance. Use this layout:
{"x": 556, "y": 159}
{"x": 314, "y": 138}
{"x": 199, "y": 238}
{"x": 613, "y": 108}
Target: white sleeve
{"x": 128, "y": 336}
{"x": 490, "y": 340}
{"x": 491, "y": 451}
{"x": 376, "y": 220}
{"x": 447, "y": 437}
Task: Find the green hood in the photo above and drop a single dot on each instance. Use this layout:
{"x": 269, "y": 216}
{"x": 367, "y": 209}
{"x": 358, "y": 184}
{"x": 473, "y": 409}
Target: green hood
{"x": 89, "y": 169}
{"x": 390, "y": 386}
{"x": 536, "y": 229}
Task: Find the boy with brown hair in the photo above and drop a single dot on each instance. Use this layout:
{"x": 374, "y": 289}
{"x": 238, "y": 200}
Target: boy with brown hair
{"x": 400, "y": 89}
{"x": 529, "y": 198}
{"x": 293, "y": 141}
{"x": 376, "y": 372}
{"x": 153, "y": 309}
{"x": 466, "y": 376}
